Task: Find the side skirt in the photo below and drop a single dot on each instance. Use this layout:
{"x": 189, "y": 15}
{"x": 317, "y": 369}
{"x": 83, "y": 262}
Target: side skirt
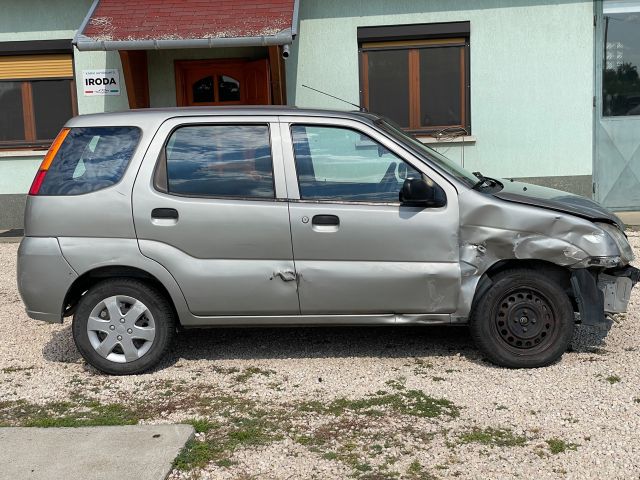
{"x": 316, "y": 320}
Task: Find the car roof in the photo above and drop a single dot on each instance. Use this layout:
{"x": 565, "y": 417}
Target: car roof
{"x": 148, "y": 116}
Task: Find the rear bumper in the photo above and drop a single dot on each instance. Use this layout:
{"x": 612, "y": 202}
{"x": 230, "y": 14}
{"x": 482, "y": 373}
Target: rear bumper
{"x": 44, "y": 277}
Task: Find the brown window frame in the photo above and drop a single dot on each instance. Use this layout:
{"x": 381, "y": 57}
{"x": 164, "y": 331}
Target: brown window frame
{"x": 413, "y": 38}
{"x": 28, "y": 115}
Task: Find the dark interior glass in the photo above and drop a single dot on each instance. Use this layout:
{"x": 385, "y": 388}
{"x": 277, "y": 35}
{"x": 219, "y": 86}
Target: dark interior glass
{"x": 203, "y": 90}
{"x": 621, "y": 79}
{"x": 440, "y": 77}
{"x": 389, "y": 84}
{"x": 11, "y": 117}
{"x": 228, "y": 89}
{"x": 51, "y": 106}
{"x": 220, "y": 161}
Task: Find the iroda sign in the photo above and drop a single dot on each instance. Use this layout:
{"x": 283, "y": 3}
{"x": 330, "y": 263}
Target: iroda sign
{"x": 101, "y": 82}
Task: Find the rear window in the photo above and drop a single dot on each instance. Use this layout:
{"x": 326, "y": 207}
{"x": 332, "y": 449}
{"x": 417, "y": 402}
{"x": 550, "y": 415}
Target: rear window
{"x": 90, "y": 159}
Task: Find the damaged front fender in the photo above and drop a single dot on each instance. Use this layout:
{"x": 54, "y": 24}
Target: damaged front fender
{"x": 493, "y": 231}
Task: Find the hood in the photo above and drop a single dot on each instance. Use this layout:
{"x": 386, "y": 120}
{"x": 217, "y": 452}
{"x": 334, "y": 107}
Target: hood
{"x": 556, "y": 200}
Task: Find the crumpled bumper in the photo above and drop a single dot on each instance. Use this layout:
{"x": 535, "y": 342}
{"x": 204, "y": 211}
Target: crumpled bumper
{"x": 616, "y": 285}
{"x": 604, "y": 292}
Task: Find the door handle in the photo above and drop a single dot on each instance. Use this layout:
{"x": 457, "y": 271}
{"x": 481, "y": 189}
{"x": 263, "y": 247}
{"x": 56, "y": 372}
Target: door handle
{"x": 326, "y": 220}
{"x": 164, "y": 213}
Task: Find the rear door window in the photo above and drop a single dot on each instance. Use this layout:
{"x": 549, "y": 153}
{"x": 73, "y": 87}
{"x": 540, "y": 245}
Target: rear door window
{"x": 90, "y": 159}
{"x": 219, "y": 161}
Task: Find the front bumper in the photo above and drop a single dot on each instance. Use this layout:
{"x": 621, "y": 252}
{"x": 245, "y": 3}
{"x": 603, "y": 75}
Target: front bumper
{"x": 604, "y": 292}
{"x": 616, "y": 285}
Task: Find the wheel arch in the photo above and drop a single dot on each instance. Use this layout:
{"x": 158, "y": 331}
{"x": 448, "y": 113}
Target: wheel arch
{"x": 558, "y": 274}
{"x": 90, "y": 278}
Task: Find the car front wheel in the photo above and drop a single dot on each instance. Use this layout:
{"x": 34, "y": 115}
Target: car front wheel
{"x": 525, "y": 320}
{"x": 123, "y": 326}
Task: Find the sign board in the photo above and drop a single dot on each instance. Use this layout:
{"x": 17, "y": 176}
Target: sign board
{"x": 101, "y": 82}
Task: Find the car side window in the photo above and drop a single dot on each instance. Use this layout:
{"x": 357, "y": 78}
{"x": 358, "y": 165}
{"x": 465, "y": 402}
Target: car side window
{"x": 219, "y": 161}
{"x": 335, "y": 163}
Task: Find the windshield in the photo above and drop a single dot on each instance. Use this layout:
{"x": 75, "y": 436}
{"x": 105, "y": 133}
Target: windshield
{"x": 438, "y": 159}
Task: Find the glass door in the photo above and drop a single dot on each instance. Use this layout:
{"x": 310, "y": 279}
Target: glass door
{"x": 617, "y": 132}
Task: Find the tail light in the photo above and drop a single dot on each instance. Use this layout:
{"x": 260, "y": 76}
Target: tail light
{"x": 46, "y": 162}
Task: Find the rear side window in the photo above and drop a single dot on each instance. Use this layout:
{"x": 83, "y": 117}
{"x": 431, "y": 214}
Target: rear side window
{"x": 219, "y": 161}
{"x": 90, "y": 159}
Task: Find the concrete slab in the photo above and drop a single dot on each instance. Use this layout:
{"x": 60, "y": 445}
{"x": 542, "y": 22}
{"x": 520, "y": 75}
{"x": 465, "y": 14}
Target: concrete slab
{"x": 143, "y": 452}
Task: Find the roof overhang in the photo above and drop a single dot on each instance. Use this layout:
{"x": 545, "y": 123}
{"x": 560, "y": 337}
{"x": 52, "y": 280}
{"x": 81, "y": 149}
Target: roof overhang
{"x": 91, "y": 37}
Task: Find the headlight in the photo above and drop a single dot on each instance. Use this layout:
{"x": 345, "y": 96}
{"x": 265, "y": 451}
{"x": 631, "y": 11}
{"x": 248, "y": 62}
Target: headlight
{"x": 620, "y": 239}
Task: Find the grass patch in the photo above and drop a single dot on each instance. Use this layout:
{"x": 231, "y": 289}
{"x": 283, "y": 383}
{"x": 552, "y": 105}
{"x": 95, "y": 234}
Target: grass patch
{"x": 495, "y": 437}
{"x": 410, "y": 402}
{"x": 557, "y": 446}
{"x": 613, "y": 379}
{"x": 249, "y": 372}
{"x": 202, "y": 425}
{"x": 84, "y": 413}
{"x": 16, "y": 369}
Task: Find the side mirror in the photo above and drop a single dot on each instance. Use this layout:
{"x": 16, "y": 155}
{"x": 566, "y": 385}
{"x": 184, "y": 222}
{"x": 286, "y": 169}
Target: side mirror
{"x": 419, "y": 192}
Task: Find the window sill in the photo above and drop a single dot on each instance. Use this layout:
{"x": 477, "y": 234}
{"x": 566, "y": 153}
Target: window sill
{"x": 448, "y": 140}
{"x": 5, "y": 153}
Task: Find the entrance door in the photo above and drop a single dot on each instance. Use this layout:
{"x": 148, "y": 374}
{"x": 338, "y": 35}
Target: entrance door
{"x": 356, "y": 249}
{"x": 617, "y": 162}
{"x": 223, "y": 82}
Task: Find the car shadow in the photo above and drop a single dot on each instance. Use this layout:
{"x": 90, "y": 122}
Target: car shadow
{"x": 252, "y": 343}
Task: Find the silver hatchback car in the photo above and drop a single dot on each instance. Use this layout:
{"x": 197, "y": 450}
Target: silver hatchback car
{"x": 141, "y": 223}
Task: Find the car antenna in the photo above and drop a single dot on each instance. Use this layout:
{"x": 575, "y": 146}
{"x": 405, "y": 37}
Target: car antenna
{"x": 359, "y": 107}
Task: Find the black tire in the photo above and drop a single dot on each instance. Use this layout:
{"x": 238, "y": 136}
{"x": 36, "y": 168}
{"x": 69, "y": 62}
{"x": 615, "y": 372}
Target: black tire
{"x": 525, "y": 320}
{"x": 162, "y": 320}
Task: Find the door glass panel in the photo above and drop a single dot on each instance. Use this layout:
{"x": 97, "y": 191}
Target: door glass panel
{"x": 440, "y": 86}
{"x": 203, "y": 90}
{"x": 341, "y": 164}
{"x": 621, "y": 79}
{"x": 51, "y": 106}
{"x": 389, "y": 84}
{"x": 228, "y": 89}
{"x": 11, "y": 117}
{"x": 220, "y": 161}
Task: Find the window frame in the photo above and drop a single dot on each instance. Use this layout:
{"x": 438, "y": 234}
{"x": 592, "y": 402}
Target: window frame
{"x": 413, "y": 38}
{"x": 36, "y": 47}
{"x": 160, "y": 177}
{"x": 289, "y": 126}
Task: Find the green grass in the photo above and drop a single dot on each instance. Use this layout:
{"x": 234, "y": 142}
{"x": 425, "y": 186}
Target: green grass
{"x": 410, "y": 402}
{"x": 557, "y": 446}
{"x": 495, "y": 437}
{"x": 252, "y": 371}
{"x": 613, "y": 379}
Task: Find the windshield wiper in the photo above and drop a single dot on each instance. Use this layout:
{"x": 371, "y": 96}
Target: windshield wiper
{"x": 481, "y": 180}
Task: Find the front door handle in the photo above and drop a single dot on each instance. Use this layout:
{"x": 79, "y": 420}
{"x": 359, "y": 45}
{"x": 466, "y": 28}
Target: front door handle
{"x": 164, "y": 213}
{"x": 326, "y": 220}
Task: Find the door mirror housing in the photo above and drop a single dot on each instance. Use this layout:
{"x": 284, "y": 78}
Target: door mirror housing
{"x": 421, "y": 192}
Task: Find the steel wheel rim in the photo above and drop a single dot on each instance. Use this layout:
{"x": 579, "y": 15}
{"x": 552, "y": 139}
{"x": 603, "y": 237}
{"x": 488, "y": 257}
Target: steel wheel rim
{"x": 121, "y": 329}
{"x": 525, "y": 320}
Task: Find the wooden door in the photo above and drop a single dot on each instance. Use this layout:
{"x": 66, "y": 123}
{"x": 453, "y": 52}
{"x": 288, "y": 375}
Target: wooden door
{"x": 222, "y": 82}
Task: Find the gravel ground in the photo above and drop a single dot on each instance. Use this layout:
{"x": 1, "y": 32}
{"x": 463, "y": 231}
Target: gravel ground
{"x": 337, "y": 402}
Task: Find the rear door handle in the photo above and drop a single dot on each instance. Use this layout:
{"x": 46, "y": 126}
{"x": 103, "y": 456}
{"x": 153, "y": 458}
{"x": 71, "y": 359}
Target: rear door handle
{"x": 326, "y": 220}
{"x": 164, "y": 213}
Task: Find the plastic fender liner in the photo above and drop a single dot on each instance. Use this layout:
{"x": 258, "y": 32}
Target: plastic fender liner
{"x": 589, "y": 297}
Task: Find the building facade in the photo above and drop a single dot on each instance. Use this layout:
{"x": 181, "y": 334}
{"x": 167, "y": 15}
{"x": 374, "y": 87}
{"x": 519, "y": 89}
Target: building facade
{"x": 541, "y": 90}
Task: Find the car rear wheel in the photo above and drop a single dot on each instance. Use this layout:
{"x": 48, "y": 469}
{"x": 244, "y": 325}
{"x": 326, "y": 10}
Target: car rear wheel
{"x": 524, "y": 321}
{"x": 123, "y": 326}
